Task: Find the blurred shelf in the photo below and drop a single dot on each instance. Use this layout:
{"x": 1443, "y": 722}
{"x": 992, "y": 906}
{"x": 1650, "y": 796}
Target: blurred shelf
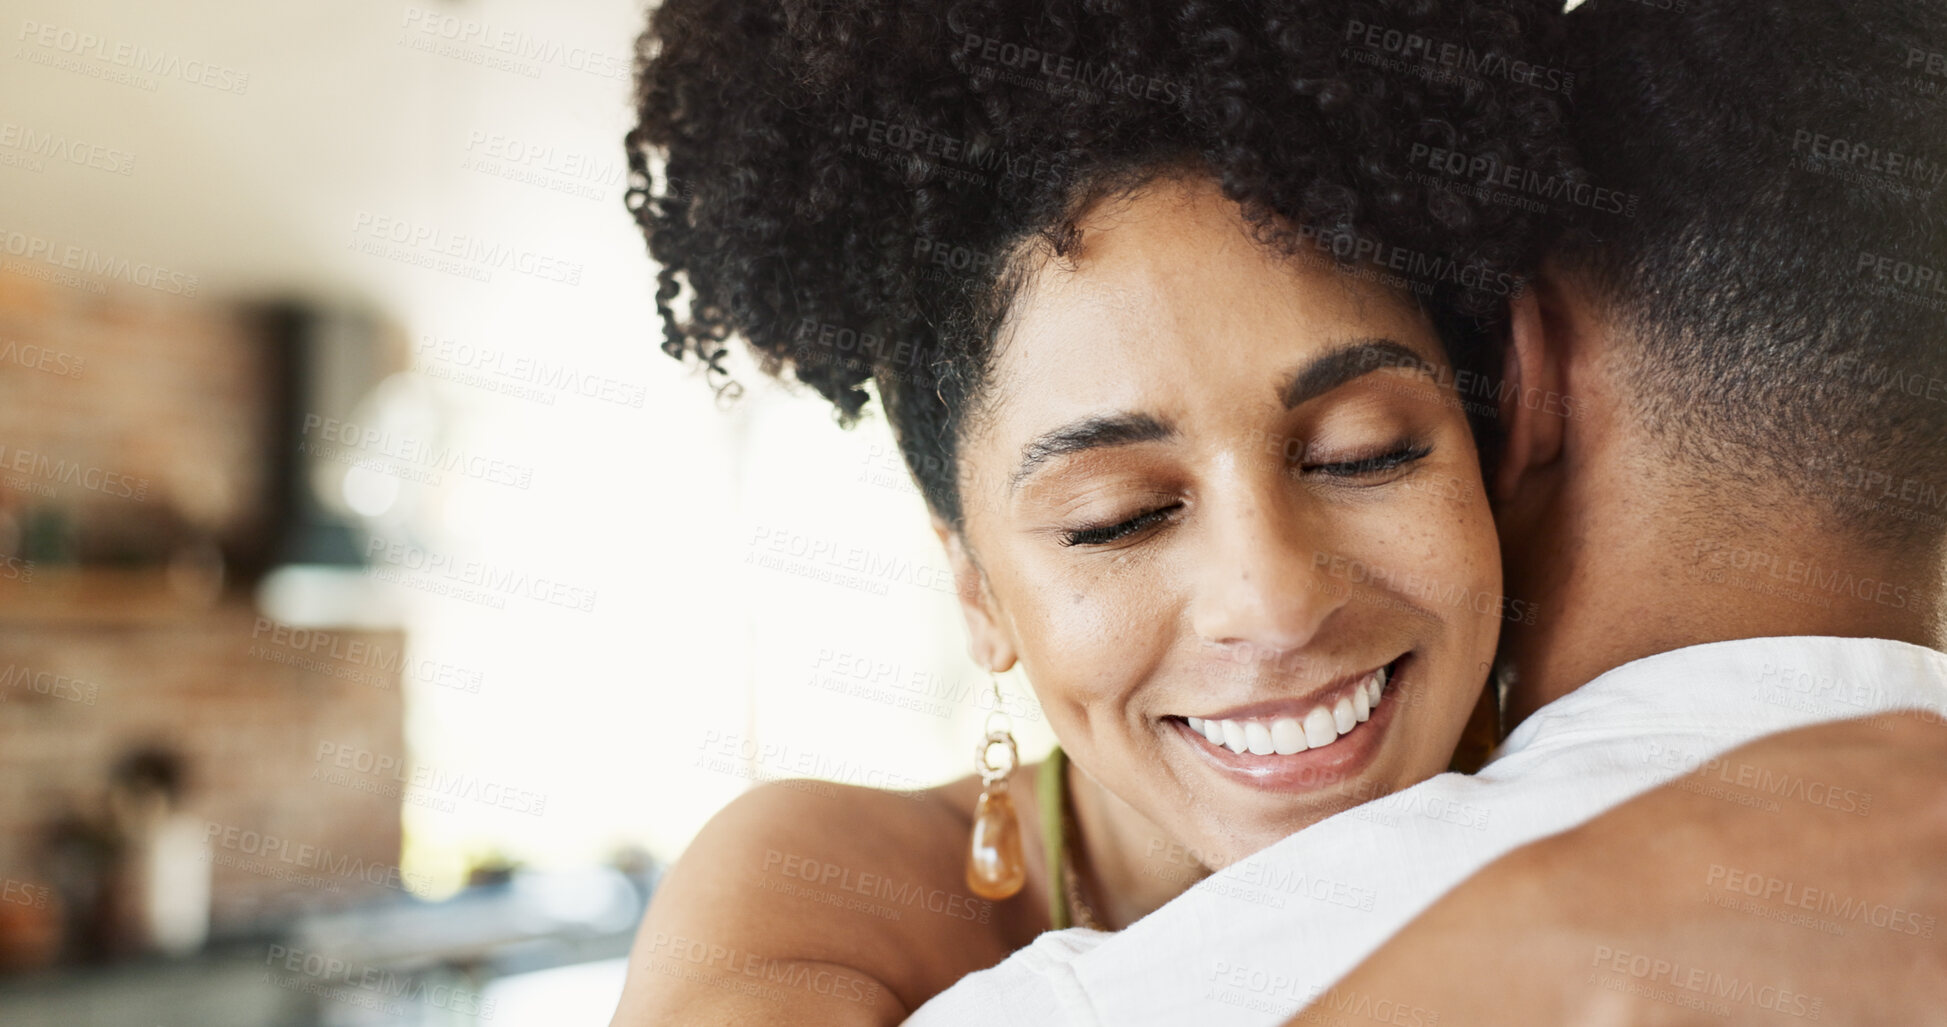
{"x": 227, "y": 987}
{"x": 60, "y": 597}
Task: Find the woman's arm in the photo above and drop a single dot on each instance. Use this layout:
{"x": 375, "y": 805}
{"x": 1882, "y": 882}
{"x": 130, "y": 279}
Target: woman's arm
{"x": 1684, "y": 906}
{"x": 808, "y": 903}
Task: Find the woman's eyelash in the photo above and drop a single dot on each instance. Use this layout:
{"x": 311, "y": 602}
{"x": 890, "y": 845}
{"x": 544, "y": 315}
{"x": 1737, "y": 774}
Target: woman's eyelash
{"x": 1373, "y": 464}
{"x": 1104, "y": 534}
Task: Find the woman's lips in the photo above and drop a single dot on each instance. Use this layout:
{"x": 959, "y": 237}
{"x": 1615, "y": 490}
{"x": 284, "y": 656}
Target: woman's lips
{"x": 1339, "y": 758}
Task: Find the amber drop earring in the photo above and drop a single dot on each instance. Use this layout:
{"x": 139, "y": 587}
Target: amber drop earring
{"x": 995, "y": 867}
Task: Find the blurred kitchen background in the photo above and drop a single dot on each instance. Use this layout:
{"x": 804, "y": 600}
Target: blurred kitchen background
{"x": 380, "y": 610}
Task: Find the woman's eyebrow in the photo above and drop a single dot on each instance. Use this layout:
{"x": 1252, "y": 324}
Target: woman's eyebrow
{"x": 1326, "y": 372}
{"x": 1087, "y": 433}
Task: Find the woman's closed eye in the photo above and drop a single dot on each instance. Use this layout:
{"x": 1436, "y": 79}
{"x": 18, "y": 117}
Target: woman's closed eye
{"x": 1373, "y": 466}
{"x": 1106, "y": 533}
{"x": 1376, "y": 466}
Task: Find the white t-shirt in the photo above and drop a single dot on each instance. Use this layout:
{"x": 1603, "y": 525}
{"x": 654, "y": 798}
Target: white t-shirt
{"x": 1262, "y": 938}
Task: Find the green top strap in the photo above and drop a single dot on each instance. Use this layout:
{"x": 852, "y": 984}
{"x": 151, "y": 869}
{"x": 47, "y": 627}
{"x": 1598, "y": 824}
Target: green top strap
{"x": 1051, "y": 794}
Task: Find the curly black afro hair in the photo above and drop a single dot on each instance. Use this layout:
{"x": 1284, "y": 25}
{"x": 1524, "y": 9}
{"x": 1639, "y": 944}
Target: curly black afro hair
{"x": 850, "y": 185}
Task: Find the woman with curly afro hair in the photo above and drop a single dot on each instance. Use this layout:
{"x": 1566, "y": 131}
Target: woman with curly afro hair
{"x": 1181, "y": 314}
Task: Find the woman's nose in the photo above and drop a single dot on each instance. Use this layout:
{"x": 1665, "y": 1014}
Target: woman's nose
{"x": 1262, "y": 584}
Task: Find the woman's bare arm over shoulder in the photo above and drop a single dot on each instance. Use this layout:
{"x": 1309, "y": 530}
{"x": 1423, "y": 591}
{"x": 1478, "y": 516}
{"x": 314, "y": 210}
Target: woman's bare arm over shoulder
{"x": 808, "y": 903}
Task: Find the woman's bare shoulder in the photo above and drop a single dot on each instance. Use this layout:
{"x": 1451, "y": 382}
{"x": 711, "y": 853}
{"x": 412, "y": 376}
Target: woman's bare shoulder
{"x": 864, "y": 880}
{"x": 797, "y": 823}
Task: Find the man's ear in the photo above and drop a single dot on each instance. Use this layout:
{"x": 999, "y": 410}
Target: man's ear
{"x": 1533, "y": 406}
{"x": 987, "y": 643}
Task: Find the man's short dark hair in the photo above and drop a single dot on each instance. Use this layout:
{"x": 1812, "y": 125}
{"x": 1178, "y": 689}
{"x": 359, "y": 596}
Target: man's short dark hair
{"x": 1784, "y": 271}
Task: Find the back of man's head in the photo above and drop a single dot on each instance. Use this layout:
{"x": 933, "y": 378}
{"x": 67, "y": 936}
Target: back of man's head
{"x": 1781, "y": 288}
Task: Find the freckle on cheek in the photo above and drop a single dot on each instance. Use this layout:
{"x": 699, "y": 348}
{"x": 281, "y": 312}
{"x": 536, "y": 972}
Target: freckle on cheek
{"x": 1078, "y": 597}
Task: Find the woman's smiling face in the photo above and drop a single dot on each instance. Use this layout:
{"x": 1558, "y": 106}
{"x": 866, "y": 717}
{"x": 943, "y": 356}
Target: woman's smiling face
{"x": 1213, "y": 493}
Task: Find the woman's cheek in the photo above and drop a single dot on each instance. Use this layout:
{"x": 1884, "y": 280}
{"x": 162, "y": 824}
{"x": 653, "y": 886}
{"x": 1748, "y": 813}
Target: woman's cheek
{"x": 1474, "y": 534}
{"x": 1464, "y": 550}
{"x": 1086, "y": 632}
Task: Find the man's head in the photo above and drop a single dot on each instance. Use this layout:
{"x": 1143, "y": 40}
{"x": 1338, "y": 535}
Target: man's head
{"x": 1764, "y": 334}
{"x": 1783, "y": 283}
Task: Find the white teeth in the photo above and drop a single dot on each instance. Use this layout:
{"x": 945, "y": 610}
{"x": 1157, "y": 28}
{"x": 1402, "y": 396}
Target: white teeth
{"x": 1320, "y": 728}
{"x": 1342, "y": 715}
{"x": 1258, "y": 737}
{"x": 1288, "y": 735}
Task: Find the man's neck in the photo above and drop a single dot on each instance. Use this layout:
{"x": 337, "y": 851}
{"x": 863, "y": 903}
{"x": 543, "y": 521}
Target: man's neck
{"x": 1630, "y": 577}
